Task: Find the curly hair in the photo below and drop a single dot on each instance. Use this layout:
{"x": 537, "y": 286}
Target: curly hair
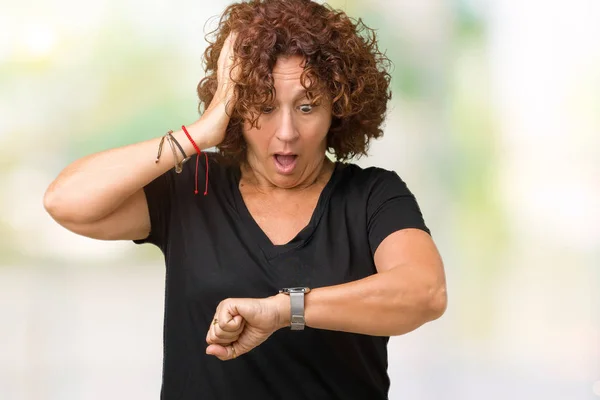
{"x": 342, "y": 63}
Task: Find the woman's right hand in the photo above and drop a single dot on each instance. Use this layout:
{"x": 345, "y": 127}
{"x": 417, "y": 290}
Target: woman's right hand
{"x": 225, "y": 85}
{"x": 210, "y": 129}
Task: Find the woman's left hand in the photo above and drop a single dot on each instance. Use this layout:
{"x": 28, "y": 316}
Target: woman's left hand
{"x": 239, "y": 325}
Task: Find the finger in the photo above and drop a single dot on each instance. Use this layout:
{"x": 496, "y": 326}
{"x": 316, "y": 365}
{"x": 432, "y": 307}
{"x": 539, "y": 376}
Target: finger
{"x": 211, "y": 335}
{"x": 216, "y": 339}
{"x": 227, "y": 323}
{"x": 229, "y": 42}
{"x": 217, "y": 335}
{"x": 232, "y": 36}
{"x": 221, "y": 340}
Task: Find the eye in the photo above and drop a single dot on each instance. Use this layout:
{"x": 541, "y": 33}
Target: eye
{"x": 267, "y": 110}
{"x": 306, "y": 108}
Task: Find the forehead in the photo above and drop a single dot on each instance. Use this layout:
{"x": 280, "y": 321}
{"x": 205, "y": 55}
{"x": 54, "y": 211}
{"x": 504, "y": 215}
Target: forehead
{"x": 288, "y": 68}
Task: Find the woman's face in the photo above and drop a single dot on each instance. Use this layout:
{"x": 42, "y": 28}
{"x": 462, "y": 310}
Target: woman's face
{"x": 289, "y": 148}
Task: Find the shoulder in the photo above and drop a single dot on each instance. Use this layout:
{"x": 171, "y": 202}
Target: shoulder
{"x": 372, "y": 187}
{"x": 389, "y": 204}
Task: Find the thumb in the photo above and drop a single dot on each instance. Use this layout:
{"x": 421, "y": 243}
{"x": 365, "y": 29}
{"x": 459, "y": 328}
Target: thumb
{"x": 223, "y": 353}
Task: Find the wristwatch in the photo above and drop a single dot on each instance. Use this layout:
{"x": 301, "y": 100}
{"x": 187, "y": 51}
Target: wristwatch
{"x": 297, "y": 305}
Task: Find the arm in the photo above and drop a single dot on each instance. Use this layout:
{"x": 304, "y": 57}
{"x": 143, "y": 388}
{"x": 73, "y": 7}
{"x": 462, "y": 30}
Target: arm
{"x": 102, "y": 195}
{"x": 408, "y": 291}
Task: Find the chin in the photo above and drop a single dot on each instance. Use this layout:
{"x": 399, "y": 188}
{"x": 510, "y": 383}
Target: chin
{"x": 284, "y": 181}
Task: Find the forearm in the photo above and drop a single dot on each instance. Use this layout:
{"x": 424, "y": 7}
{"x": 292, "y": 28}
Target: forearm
{"x": 94, "y": 186}
{"x": 389, "y": 303}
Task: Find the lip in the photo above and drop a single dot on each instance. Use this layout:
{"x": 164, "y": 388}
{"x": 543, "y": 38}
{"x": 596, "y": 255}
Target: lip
{"x": 285, "y": 169}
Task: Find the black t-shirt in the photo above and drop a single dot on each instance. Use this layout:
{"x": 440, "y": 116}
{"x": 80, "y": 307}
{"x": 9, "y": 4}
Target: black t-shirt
{"x": 215, "y": 250}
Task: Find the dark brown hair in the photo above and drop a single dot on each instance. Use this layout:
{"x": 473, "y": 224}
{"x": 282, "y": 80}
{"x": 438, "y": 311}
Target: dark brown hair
{"x": 342, "y": 62}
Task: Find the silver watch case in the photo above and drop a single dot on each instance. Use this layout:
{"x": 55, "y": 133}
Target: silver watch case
{"x": 294, "y": 290}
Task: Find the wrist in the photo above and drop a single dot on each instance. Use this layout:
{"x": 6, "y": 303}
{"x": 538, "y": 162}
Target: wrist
{"x": 284, "y": 312}
{"x": 223, "y": 99}
{"x": 197, "y": 131}
{"x": 209, "y": 130}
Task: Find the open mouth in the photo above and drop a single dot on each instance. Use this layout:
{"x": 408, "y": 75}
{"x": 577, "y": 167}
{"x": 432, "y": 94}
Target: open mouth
{"x": 285, "y": 163}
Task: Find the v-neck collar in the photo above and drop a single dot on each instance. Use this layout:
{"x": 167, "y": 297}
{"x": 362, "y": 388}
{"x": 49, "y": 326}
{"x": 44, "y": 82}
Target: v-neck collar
{"x": 272, "y": 250}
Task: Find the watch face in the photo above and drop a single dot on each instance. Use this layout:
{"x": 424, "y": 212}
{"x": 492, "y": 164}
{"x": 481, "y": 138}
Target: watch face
{"x": 295, "y": 290}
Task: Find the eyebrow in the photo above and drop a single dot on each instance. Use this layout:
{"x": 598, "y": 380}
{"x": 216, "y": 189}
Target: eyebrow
{"x": 300, "y": 94}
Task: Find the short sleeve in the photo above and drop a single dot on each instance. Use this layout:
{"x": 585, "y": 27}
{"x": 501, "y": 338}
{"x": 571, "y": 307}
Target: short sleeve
{"x": 158, "y": 196}
{"x": 391, "y": 207}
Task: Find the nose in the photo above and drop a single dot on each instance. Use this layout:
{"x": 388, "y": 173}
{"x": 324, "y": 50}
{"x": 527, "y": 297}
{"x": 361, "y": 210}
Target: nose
{"x": 287, "y": 130}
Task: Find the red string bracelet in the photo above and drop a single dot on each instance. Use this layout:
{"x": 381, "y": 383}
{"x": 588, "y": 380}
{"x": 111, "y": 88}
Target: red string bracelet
{"x": 197, "y": 156}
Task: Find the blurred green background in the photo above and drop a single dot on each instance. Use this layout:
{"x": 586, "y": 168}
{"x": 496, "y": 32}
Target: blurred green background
{"x": 494, "y": 125}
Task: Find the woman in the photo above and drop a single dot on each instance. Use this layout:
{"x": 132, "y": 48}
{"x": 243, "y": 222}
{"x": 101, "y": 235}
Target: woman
{"x": 287, "y": 80}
